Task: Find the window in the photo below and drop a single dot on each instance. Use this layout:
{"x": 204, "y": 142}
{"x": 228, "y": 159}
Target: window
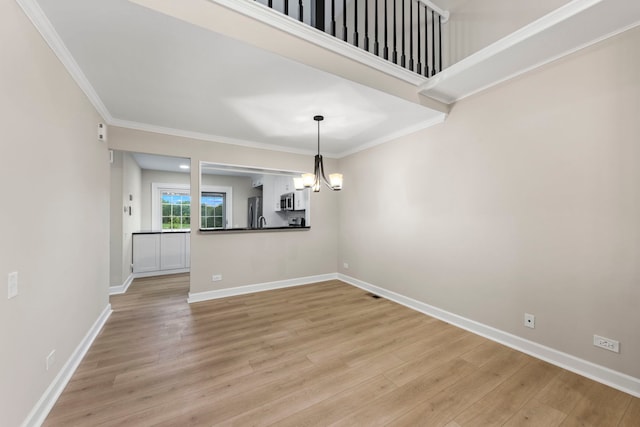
{"x": 212, "y": 210}
{"x": 171, "y": 206}
{"x": 176, "y": 210}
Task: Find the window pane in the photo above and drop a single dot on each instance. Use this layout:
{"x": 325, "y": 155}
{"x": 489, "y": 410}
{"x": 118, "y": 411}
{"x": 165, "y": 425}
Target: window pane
{"x": 212, "y": 209}
{"x": 176, "y": 210}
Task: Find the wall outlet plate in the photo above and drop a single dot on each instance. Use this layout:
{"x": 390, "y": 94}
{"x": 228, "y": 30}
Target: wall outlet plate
{"x": 345, "y": 265}
{"x": 51, "y": 359}
{"x": 216, "y": 277}
{"x": 606, "y": 343}
{"x": 12, "y": 285}
{"x": 529, "y": 320}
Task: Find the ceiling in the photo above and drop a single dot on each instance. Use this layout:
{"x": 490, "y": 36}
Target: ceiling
{"x": 151, "y": 71}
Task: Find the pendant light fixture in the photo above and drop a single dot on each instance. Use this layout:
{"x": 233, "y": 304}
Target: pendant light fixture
{"x": 315, "y": 180}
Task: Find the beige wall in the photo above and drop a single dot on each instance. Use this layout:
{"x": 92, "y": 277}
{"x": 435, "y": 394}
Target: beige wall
{"x": 131, "y": 186}
{"x": 250, "y": 258}
{"x": 476, "y": 24}
{"x": 55, "y": 180}
{"x": 125, "y": 182}
{"x": 116, "y": 216}
{"x": 527, "y": 199}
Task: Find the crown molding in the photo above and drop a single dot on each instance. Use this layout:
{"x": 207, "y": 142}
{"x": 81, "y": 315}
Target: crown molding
{"x": 35, "y": 14}
{"x": 395, "y": 135}
{"x": 206, "y": 137}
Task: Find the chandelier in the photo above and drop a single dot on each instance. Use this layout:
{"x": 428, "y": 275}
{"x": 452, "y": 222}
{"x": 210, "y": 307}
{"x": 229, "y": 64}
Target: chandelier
{"x": 314, "y": 180}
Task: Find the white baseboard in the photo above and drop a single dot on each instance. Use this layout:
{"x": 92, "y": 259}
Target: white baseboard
{"x": 617, "y": 380}
{"x": 259, "y": 287}
{"x": 161, "y": 272}
{"x": 121, "y": 289}
{"x": 42, "y": 408}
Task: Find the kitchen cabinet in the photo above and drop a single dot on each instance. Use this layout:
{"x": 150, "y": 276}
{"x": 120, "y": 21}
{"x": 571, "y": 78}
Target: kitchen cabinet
{"x": 146, "y": 253}
{"x": 300, "y": 200}
{"x": 157, "y": 253}
{"x": 257, "y": 181}
{"x": 172, "y": 251}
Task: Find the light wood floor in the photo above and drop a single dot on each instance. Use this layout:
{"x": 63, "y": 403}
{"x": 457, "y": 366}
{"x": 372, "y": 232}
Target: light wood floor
{"x": 323, "y": 354}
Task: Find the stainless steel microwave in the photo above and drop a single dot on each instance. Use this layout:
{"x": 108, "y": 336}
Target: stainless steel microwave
{"x": 287, "y": 202}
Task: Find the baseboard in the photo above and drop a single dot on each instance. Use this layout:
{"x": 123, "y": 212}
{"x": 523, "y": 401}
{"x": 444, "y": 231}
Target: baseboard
{"x": 260, "y": 287}
{"x": 601, "y": 374}
{"x": 42, "y": 408}
{"x": 121, "y": 289}
{"x": 161, "y": 272}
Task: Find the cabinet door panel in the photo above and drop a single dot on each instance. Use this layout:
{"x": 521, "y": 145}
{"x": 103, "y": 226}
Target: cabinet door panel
{"x": 146, "y": 252}
{"x": 173, "y": 253}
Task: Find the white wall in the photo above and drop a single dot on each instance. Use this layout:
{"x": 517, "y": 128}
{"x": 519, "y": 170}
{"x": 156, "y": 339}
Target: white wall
{"x": 55, "y": 176}
{"x": 476, "y": 24}
{"x": 527, "y": 199}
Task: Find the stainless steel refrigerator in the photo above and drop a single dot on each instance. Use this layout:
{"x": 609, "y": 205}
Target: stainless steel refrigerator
{"x": 255, "y": 212}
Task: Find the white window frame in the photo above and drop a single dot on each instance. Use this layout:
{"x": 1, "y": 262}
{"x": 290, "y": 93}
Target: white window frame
{"x": 158, "y": 188}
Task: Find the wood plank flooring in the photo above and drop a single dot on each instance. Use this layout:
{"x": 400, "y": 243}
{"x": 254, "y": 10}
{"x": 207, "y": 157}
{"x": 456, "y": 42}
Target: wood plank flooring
{"x": 316, "y": 355}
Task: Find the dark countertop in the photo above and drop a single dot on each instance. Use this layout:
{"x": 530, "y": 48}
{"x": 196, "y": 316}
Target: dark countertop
{"x": 160, "y": 231}
{"x": 253, "y": 230}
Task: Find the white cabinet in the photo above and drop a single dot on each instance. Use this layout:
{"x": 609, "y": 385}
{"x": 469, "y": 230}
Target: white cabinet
{"x": 300, "y": 199}
{"x": 257, "y": 181}
{"x": 146, "y": 252}
{"x": 161, "y": 253}
{"x": 172, "y": 251}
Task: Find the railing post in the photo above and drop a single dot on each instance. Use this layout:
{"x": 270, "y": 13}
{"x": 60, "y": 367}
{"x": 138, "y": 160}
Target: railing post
{"x": 426, "y": 42}
{"x": 333, "y": 18}
{"x": 419, "y": 67}
{"x": 386, "y": 31}
{"x": 402, "y": 56}
{"x": 366, "y": 25}
{"x": 440, "y": 42}
{"x": 433, "y": 43}
{"x": 356, "y": 37}
{"x": 411, "y": 34}
{"x": 344, "y": 20}
{"x": 395, "y": 34}
{"x": 317, "y": 14}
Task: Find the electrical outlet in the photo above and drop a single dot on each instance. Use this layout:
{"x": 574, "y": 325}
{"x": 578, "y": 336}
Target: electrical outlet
{"x": 12, "y": 285}
{"x": 216, "y": 277}
{"x": 346, "y": 265}
{"x": 529, "y": 320}
{"x": 606, "y": 343}
{"x": 51, "y": 359}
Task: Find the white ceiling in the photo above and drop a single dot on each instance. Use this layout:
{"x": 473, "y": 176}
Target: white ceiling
{"x": 153, "y": 71}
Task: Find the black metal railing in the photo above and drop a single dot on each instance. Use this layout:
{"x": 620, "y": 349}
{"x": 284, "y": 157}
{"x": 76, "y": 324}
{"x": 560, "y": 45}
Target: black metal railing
{"x": 405, "y": 32}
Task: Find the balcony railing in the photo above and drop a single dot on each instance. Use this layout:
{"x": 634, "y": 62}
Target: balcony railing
{"x": 405, "y": 32}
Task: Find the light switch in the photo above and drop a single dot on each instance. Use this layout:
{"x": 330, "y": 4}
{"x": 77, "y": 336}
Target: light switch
{"x": 12, "y": 285}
